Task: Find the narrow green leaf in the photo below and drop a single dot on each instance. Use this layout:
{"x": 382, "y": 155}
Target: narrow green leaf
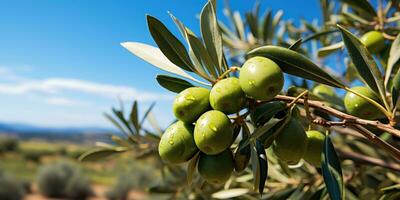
{"x": 201, "y": 54}
{"x": 155, "y": 57}
{"x": 266, "y": 111}
{"x": 267, "y": 27}
{"x": 230, "y": 193}
{"x": 332, "y": 171}
{"x": 394, "y": 57}
{"x": 134, "y": 117}
{"x": 362, "y": 6}
{"x": 296, "y": 45}
{"x": 396, "y": 88}
{"x": 146, "y": 114}
{"x": 251, "y": 21}
{"x": 101, "y": 153}
{"x": 242, "y": 156}
{"x": 116, "y": 124}
{"x": 326, "y": 51}
{"x": 255, "y": 165}
{"x": 355, "y": 18}
{"x": 172, "y": 48}
{"x": 258, "y": 132}
{"x": 296, "y": 64}
{"x": 319, "y": 34}
{"x": 364, "y": 63}
{"x": 191, "y": 168}
{"x": 263, "y": 165}
{"x": 239, "y": 25}
{"x": 120, "y": 116}
{"x": 173, "y": 84}
{"x": 211, "y": 34}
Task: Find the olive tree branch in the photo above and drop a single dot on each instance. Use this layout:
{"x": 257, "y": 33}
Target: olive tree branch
{"x": 353, "y": 121}
{"x": 367, "y": 160}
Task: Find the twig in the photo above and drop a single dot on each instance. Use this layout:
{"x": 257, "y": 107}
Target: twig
{"x": 368, "y": 160}
{"x": 354, "y": 122}
{"x": 350, "y": 119}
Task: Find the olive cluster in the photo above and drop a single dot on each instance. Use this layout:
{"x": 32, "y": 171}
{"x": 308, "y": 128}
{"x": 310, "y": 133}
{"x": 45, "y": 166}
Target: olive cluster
{"x": 203, "y": 123}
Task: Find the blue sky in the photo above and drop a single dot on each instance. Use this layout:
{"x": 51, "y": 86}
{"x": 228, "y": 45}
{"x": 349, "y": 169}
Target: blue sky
{"x": 61, "y": 63}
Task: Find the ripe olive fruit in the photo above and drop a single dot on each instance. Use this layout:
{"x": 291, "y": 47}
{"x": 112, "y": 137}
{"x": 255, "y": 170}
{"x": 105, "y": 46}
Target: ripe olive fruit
{"x": 290, "y": 145}
{"x": 227, "y": 96}
{"x": 213, "y": 132}
{"x": 261, "y": 78}
{"x": 177, "y": 143}
{"x": 323, "y": 91}
{"x": 315, "y": 145}
{"x": 216, "y": 169}
{"x": 360, "y": 107}
{"x": 374, "y": 41}
{"x": 191, "y": 103}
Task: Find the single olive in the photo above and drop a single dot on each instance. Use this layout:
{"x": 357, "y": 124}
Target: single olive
{"x": 374, "y": 41}
{"x": 291, "y": 143}
{"x": 315, "y": 145}
{"x": 216, "y": 169}
{"x": 261, "y": 78}
{"x": 360, "y": 107}
{"x": 323, "y": 91}
{"x": 213, "y": 132}
{"x": 177, "y": 143}
{"x": 227, "y": 96}
{"x": 191, "y": 103}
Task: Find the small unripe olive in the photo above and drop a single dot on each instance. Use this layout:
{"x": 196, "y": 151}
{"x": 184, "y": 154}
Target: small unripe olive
{"x": 216, "y": 169}
{"x": 323, "y": 91}
{"x": 213, "y": 132}
{"x": 315, "y": 145}
{"x": 290, "y": 145}
{"x": 374, "y": 41}
{"x": 261, "y": 78}
{"x": 360, "y": 107}
{"x": 227, "y": 96}
{"x": 191, "y": 103}
{"x": 177, "y": 143}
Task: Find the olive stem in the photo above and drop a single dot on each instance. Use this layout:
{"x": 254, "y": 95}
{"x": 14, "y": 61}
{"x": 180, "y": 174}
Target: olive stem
{"x": 354, "y": 122}
{"x": 232, "y": 69}
{"x": 376, "y": 104}
{"x": 297, "y": 98}
{"x": 368, "y": 160}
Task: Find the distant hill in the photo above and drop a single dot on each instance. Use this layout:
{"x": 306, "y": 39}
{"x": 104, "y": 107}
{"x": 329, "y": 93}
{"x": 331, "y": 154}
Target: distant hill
{"x": 78, "y": 135}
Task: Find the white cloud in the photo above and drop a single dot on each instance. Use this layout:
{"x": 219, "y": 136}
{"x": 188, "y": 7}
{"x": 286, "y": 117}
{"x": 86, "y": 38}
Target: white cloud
{"x": 56, "y": 86}
{"x": 62, "y": 101}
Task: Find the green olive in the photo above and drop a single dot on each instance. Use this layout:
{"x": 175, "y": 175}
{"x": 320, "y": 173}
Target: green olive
{"x": 191, "y": 103}
{"x": 291, "y": 143}
{"x": 227, "y": 96}
{"x": 315, "y": 145}
{"x": 177, "y": 143}
{"x": 374, "y": 41}
{"x": 261, "y": 78}
{"x": 213, "y": 132}
{"x": 323, "y": 91}
{"x": 360, "y": 107}
{"x": 216, "y": 169}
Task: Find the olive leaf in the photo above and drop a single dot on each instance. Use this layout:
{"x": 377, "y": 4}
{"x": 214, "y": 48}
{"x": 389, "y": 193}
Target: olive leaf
{"x": 191, "y": 167}
{"x": 319, "y": 34}
{"x": 101, "y": 153}
{"x": 267, "y": 25}
{"x": 239, "y": 25}
{"x": 172, "y": 48}
{"x": 396, "y": 89}
{"x": 134, "y": 117}
{"x": 230, "y": 193}
{"x": 263, "y": 165}
{"x": 266, "y": 111}
{"x": 362, "y": 6}
{"x": 258, "y": 132}
{"x": 332, "y": 171}
{"x": 296, "y": 45}
{"x": 364, "y": 63}
{"x": 173, "y": 84}
{"x": 325, "y": 51}
{"x": 394, "y": 57}
{"x": 211, "y": 34}
{"x": 201, "y": 54}
{"x": 255, "y": 165}
{"x": 155, "y": 57}
{"x": 296, "y": 64}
